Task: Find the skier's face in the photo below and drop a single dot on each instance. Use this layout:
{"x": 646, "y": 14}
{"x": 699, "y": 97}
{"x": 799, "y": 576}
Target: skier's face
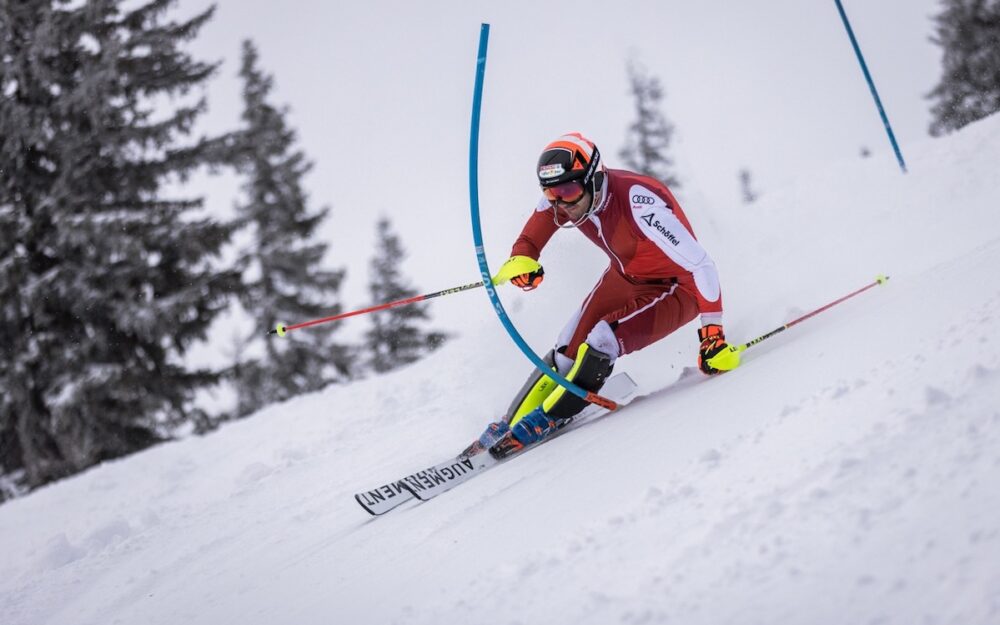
{"x": 569, "y": 200}
{"x": 572, "y": 212}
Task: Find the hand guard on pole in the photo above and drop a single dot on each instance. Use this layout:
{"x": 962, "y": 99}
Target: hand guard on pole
{"x": 521, "y": 271}
{"x": 714, "y": 355}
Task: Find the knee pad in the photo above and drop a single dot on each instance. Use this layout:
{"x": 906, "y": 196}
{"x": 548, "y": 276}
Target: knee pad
{"x": 602, "y": 338}
{"x": 590, "y": 369}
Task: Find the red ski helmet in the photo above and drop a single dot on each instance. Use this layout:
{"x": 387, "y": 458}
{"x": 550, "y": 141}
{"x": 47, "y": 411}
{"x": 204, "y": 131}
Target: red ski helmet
{"x": 568, "y": 168}
{"x": 570, "y": 157}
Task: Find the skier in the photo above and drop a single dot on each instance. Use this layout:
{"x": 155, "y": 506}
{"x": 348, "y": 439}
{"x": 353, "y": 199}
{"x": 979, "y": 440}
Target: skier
{"x": 659, "y": 279}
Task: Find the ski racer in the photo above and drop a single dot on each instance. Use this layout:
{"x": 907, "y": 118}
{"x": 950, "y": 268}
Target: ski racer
{"x": 658, "y": 279}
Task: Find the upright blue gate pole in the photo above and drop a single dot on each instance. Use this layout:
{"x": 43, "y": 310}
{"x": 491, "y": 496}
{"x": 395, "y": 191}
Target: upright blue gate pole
{"x": 871, "y": 85}
{"x": 477, "y": 237}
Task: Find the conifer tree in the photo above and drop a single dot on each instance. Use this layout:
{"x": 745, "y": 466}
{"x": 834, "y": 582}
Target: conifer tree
{"x": 106, "y": 279}
{"x": 746, "y": 187}
{"x": 649, "y": 136}
{"x": 395, "y": 338}
{"x": 285, "y": 277}
{"x": 968, "y": 32}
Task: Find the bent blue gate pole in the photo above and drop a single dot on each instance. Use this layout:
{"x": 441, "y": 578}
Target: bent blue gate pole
{"x": 477, "y": 236}
{"x": 871, "y": 86}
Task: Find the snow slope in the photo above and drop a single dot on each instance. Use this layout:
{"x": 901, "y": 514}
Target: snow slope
{"x": 849, "y": 472}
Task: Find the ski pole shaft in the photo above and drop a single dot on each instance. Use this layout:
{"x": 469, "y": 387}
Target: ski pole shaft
{"x": 741, "y": 348}
{"x": 282, "y": 329}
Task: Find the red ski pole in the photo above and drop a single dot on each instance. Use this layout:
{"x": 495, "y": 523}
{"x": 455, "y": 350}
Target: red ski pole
{"x": 742, "y": 348}
{"x": 282, "y": 329}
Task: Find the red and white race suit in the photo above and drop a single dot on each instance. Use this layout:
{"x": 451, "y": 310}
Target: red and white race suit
{"x": 659, "y": 277}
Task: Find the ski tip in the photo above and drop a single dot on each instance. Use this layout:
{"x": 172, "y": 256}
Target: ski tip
{"x": 361, "y": 503}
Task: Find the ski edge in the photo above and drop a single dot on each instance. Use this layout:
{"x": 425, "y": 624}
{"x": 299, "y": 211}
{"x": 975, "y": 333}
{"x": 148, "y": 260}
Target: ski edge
{"x": 485, "y": 461}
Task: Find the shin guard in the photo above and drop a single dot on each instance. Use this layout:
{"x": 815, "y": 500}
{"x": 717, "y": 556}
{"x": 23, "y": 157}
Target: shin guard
{"x": 591, "y": 368}
{"x": 537, "y": 387}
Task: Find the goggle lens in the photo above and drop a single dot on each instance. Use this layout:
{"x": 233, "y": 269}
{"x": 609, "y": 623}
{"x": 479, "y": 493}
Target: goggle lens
{"x": 567, "y": 192}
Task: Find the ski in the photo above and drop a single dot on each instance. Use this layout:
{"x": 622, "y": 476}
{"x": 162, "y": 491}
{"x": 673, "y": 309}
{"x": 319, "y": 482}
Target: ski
{"x": 620, "y": 388}
{"x": 388, "y": 496}
{"x": 432, "y": 481}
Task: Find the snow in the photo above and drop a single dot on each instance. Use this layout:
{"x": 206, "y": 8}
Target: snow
{"x": 848, "y": 472}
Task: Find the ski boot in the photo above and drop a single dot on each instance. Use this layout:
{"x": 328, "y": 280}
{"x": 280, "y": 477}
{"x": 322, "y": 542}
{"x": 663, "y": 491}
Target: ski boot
{"x": 537, "y": 414}
{"x": 493, "y": 433}
{"x": 506, "y": 446}
{"x": 528, "y": 430}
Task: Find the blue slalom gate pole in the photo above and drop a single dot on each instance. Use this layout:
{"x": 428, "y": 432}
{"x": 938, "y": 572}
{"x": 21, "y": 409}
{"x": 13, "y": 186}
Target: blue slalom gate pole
{"x": 477, "y": 237}
{"x": 871, "y": 86}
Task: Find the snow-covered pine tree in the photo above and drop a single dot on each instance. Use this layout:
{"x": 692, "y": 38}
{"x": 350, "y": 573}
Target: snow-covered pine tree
{"x": 105, "y": 278}
{"x": 285, "y": 277}
{"x": 649, "y": 136}
{"x": 394, "y": 339}
{"x": 968, "y": 32}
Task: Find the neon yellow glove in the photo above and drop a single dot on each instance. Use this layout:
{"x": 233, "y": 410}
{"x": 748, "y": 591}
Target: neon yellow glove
{"x": 521, "y": 271}
{"x": 714, "y": 354}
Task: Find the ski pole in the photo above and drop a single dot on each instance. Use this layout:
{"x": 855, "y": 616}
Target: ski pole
{"x": 282, "y": 329}
{"x": 742, "y": 348}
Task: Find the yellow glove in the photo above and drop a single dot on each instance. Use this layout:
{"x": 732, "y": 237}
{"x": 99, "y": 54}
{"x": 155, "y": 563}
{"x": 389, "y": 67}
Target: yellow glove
{"x": 521, "y": 271}
{"x": 714, "y": 354}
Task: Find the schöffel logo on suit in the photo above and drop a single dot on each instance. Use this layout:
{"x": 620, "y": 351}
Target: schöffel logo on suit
{"x": 642, "y": 199}
{"x": 668, "y": 235}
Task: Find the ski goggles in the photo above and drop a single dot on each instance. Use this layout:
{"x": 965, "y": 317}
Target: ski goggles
{"x": 565, "y": 193}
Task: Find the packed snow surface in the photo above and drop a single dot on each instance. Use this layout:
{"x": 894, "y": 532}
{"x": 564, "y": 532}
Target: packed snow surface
{"x": 848, "y": 472}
